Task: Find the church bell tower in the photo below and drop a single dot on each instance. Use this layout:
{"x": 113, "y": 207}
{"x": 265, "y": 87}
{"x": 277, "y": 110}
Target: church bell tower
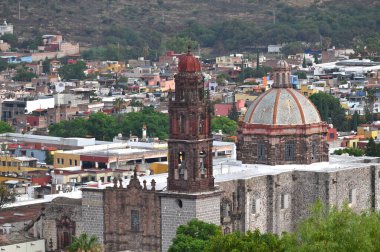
{"x": 190, "y": 193}
{"x": 190, "y": 142}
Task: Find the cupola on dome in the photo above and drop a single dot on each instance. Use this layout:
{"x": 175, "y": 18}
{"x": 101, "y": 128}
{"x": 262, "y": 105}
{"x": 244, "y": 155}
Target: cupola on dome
{"x": 188, "y": 63}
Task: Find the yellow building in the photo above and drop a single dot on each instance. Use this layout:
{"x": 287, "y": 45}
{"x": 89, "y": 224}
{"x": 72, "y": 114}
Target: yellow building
{"x": 308, "y": 90}
{"x": 159, "y": 167}
{"x": 367, "y": 131}
{"x": 9, "y": 164}
{"x": 62, "y": 160}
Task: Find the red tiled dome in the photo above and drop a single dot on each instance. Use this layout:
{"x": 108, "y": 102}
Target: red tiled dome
{"x": 188, "y": 63}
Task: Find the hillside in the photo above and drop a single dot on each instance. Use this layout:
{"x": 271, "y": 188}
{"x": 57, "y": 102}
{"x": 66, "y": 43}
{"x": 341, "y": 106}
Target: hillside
{"x": 137, "y": 22}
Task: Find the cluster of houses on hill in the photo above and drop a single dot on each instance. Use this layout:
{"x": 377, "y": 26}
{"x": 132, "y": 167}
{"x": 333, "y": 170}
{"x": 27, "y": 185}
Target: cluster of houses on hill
{"x": 32, "y": 106}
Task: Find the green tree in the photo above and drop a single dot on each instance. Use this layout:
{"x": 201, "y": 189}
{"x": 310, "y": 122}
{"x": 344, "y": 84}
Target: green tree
{"x": 157, "y": 123}
{"x": 3, "y": 65}
{"x": 84, "y": 243}
{"x": 370, "y": 100}
{"x": 333, "y": 229}
{"x": 101, "y": 126}
{"x": 292, "y": 48}
{"x": 118, "y": 104}
{"x": 5, "y": 127}
{"x": 10, "y": 39}
{"x": 222, "y": 78}
{"x": 72, "y": 128}
{"x": 46, "y": 66}
{"x": 355, "y": 120}
{"x": 24, "y": 74}
{"x": 330, "y": 110}
{"x": 49, "y": 158}
{"x": 304, "y": 62}
{"x": 180, "y": 44}
{"x": 233, "y": 114}
{"x": 194, "y": 236}
{"x": 223, "y": 123}
{"x": 372, "y": 149}
{"x": 6, "y": 195}
{"x": 251, "y": 241}
{"x": 73, "y": 71}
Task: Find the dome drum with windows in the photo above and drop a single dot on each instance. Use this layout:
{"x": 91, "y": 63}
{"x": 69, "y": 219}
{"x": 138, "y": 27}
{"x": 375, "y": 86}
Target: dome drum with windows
{"x": 282, "y": 126}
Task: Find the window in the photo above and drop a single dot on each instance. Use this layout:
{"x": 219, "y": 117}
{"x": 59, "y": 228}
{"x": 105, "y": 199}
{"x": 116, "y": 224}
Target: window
{"x": 62, "y": 161}
{"x": 109, "y": 179}
{"x": 226, "y": 209}
{"x": 352, "y": 196}
{"x": 202, "y": 156}
{"x": 284, "y": 201}
{"x": 135, "y": 222}
{"x": 256, "y": 205}
{"x": 261, "y": 151}
{"x": 75, "y": 162}
{"x": 313, "y": 150}
{"x": 71, "y": 162}
{"x": 181, "y": 163}
{"x": 289, "y": 151}
{"x": 181, "y": 123}
{"x": 58, "y": 161}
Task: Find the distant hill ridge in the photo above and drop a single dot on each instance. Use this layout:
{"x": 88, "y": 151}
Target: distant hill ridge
{"x": 98, "y": 22}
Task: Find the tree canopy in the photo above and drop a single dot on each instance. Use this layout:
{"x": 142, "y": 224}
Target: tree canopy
{"x": 6, "y": 195}
{"x": 104, "y": 127}
{"x": 85, "y": 243}
{"x": 326, "y": 229}
{"x": 73, "y": 71}
{"x": 330, "y": 110}
{"x": 5, "y": 127}
{"x": 225, "y": 124}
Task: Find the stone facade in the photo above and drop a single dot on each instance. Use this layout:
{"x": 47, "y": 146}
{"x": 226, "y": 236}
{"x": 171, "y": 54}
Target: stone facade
{"x": 179, "y": 208}
{"x": 61, "y": 220}
{"x": 132, "y": 217}
{"x": 276, "y": 203}
{"x": 93, "y": 213}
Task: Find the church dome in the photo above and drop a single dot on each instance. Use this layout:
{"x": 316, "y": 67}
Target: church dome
{"x": 282, "y": 106}
{"x": 282, "y": 64}
{"x": 188, "y": 63}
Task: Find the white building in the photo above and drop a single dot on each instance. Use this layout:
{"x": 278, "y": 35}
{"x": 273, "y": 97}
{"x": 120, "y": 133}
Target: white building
{"x": 6, "y": 28}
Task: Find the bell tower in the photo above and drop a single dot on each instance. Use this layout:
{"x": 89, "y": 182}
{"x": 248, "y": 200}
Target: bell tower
{"x": 190, "y": 193}
{"x": 190, "y": 141}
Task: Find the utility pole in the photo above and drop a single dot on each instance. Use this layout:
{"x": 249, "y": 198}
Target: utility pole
{"x": 19, "y": 10}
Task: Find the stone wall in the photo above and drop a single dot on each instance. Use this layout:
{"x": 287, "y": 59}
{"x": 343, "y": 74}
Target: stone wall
{"x": 285, "y": 198}
{"x": 179, "y": 208}
{"x": 59, "y": 209}
{"x": 93, "y": 213}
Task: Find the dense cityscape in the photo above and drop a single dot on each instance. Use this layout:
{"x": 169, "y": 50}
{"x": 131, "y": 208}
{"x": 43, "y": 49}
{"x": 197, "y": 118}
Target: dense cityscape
{"x": 256, "y": 135}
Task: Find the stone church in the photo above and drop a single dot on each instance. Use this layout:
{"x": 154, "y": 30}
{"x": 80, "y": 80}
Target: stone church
{"x": 282, "y": 167}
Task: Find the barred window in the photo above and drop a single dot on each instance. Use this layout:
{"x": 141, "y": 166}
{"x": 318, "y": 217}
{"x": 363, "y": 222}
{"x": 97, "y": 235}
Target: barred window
{"x": 313, "y": 150}
{"x": 135, "y": 221}
{"x": 261, "y": 156}
{"x": 289, "y": 151}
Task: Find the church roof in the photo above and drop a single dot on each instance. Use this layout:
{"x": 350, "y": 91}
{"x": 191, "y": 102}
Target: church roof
{"x": 188, "y": 63}
{"x": 282, "y": 106}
